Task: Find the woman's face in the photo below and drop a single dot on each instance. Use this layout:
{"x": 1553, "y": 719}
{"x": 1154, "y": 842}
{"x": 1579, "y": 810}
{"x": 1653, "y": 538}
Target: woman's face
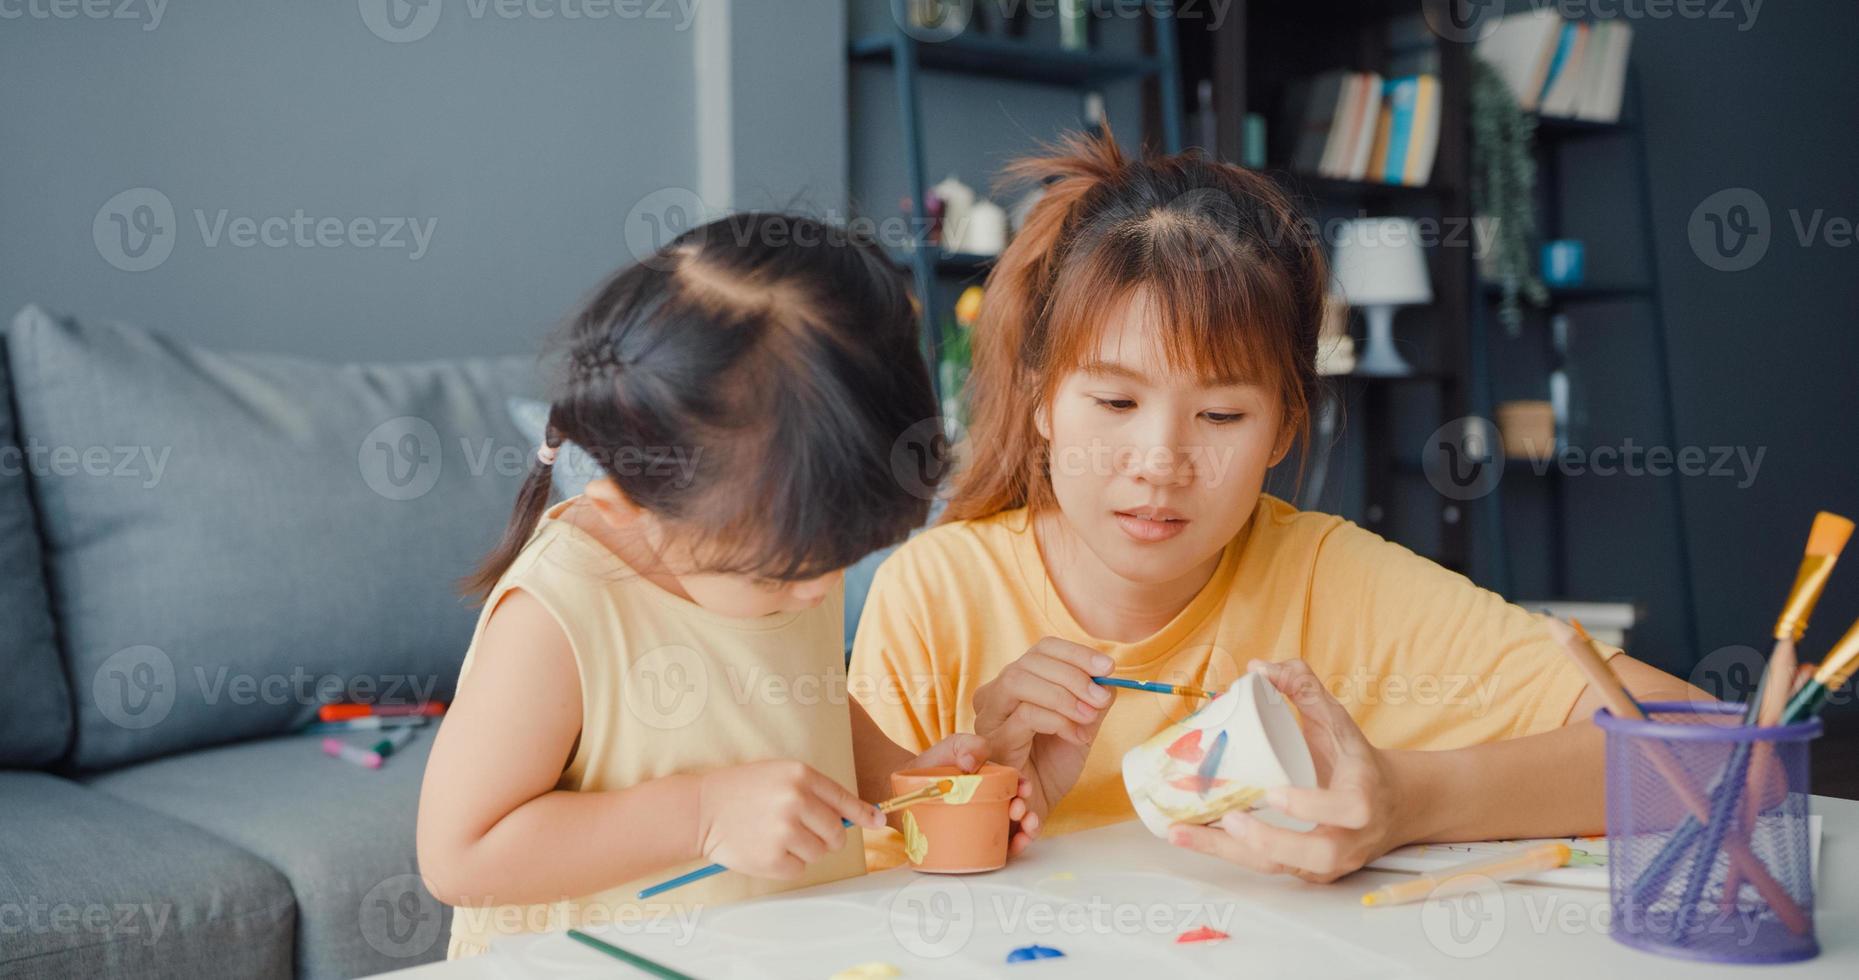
{"x": 1156, "y": 471}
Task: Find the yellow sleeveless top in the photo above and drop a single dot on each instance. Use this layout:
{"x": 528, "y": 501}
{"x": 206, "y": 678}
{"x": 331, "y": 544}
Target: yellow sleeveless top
{"x": 670, "y": 687}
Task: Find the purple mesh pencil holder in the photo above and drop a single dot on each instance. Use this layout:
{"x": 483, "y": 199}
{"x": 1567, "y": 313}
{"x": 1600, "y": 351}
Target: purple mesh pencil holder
{"x": 1707, "y": 834}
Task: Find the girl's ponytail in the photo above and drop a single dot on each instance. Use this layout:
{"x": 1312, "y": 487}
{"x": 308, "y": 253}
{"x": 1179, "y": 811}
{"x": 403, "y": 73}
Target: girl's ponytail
{"x": 1019, "y": 293}
{"x": 531, "y": 501}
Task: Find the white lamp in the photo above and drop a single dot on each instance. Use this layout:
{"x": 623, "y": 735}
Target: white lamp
{"x": 1378, "y": 265}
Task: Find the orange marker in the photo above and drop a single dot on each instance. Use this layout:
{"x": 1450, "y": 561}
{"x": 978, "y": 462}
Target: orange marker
{"x": 345, "y": 712}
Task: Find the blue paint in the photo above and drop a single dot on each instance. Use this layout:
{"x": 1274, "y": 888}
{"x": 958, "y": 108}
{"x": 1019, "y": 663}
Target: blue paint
{"x": 1033, "y": 952}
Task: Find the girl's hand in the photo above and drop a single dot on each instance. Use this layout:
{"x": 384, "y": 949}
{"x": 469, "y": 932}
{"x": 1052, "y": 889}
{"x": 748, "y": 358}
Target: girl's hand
{"x": 1358, "y": 811}
{"x": 771, "y": 819}
{"x": 967, "y": 753}
{"x": 1040, "y": 715}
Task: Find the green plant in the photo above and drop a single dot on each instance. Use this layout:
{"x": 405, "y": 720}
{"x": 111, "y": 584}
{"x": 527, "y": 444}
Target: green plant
{"x": 1503, "y": 190}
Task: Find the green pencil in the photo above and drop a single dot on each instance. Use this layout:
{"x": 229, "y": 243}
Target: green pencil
{"x": 634, "y": 959}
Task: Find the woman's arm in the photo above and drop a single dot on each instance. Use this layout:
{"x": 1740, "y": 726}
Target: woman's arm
{"x": 1545, "y": 785}
{"x": 493, "y": 829}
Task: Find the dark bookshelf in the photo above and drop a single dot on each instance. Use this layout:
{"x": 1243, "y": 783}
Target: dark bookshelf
{"x": 1251, "y": 59}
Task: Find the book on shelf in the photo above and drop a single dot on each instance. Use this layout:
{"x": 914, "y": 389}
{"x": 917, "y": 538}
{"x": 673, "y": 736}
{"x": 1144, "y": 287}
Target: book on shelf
{"x": 1358, "y": 126}
{"x": 1559, "y": 68}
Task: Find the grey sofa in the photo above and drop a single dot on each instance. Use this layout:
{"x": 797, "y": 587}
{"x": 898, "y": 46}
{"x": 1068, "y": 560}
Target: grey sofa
{"x": 196, "y": 550}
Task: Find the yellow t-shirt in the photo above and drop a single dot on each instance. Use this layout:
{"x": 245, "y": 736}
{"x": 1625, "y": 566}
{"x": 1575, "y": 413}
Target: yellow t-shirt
{"x": 670, "y": 687}
{"x": 1420, "y": 657}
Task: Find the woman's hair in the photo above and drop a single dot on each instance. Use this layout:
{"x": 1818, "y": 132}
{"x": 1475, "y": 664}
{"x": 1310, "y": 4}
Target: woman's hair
{"x": 1216, "y": 253}
{"x": 749, "y": 384}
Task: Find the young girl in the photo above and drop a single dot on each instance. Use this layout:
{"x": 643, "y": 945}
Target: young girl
{"x": 1145, "y": 353}
{"x": 657, "y": 679}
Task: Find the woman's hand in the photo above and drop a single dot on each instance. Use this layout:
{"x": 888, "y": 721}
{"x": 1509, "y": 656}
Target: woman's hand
{"x": 771, "y": 819}
{"x": 1040, "y": 715}
{"x": 967, "y": 753}
{"x": 1358, "y": 811}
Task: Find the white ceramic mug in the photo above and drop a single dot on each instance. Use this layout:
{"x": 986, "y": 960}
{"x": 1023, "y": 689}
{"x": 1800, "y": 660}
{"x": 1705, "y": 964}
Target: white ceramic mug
{"x": 1264, "y": 748}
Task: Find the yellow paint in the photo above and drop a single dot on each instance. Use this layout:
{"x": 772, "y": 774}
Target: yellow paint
{"x": 916, "y": 846}
{"x": 963, "y": 790}
{"x": 868, "y": 971}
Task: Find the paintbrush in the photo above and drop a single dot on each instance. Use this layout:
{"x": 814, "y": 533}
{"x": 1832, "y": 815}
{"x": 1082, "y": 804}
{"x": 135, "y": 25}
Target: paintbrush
{"x": 1156, "y": 687}
{"x": 1825, "y": 540}
{"x": 1622, "y": 705}
{"x": 1824, "y": 543}
{"x": 1834, "y": 671}
{"x": 950, "y": 787}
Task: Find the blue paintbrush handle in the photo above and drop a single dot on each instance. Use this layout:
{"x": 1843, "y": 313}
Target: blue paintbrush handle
{"x": 707, "y": 871}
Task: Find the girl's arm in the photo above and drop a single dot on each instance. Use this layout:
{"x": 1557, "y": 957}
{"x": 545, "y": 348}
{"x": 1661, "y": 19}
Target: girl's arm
{"x": 1373, "y": 800}
{"x": 493, "y": 829}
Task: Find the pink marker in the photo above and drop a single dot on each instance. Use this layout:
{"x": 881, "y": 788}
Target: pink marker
{"x": 348, "y": 753}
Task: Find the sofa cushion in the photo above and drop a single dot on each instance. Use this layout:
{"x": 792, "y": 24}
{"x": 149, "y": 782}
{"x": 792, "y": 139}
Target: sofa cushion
{"x": 35, "y": 704}
{"x": 342, "y": 834}
{"x": 234, "y": 539}
{"x": 92, "y": 886}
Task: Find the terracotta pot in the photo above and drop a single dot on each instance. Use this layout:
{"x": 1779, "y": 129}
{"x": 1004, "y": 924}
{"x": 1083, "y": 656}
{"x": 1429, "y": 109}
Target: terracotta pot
{"x": 956, "y": 838}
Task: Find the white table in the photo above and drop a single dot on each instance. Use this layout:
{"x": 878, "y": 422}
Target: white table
{"x": 1114, "y": 899}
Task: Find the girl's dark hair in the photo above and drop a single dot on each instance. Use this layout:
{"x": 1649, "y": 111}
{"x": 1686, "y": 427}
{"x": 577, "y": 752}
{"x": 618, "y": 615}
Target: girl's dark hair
{"x": 749, "y": 383}
{"x": 1231, "y": 268}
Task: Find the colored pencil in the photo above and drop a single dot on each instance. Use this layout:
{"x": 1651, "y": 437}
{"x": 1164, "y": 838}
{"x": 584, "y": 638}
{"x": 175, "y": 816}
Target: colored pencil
{"x": 653, "y": 967}
{"x": 1465, "y": 877}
